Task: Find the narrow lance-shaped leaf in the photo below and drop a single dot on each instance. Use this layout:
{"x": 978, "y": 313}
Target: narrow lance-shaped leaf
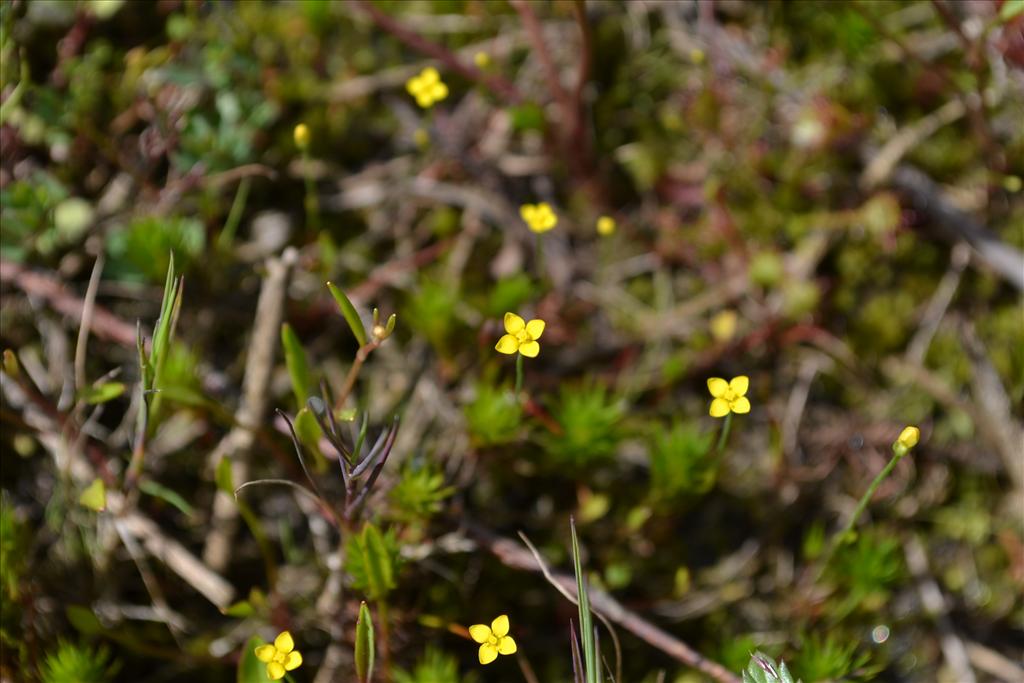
{"x": 379, "y": 571}
{"x": 101, "y": 393}
{"x": 364, "y": 645}
{"x": 298, "y": 366}
{"x": 224, "y": 476}
{"x": 586, "y": 620}
{"x": 355, "y": 323}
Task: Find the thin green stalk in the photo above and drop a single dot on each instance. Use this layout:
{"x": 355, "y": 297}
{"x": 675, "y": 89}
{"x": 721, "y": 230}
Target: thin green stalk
{"x": 312, "y": 204}
{"x": 724, "y": 436}
{"x": 519, "y": 374}
{"x": 227, "y": 234}
{"x": 540, "y": 256}
{"x": 385, "y": 646}
{"x": 843, "y": 535}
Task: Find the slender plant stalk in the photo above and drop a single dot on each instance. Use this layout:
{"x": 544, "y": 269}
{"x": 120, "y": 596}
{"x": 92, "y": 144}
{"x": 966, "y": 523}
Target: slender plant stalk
{"x": 540, "y": 256}
{"x": 227, "y": 234}
{"x": 385, "y": 634}
{"x": 312, "y": 204}
{"x": 519, "y": 374}
{"x": 724, "y": 436}
{"x": 353, "y": 373}
{"x": 847, "y": 530}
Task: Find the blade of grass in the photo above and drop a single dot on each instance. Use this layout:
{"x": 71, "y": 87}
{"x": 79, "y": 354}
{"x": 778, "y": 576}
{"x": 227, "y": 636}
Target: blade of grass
{"x": 590, "y": 660}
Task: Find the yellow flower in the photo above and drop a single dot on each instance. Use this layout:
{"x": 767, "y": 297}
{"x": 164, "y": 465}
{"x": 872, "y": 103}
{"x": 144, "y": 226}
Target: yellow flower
{"x": 493, "y": 639}
{"x": 730, "y": 397}
{"x": 301, "y": 135}
{"x": 427, "y": 88}
{"x": 522, "y": 336}
{"x": 907, "y": 439}
{"x": 540, "y": 217}
{"x": 605, "y": 225}
{"x": 481, "y": 59}
{"x": 279, "y": 657}
{"x": 723, "y": 325}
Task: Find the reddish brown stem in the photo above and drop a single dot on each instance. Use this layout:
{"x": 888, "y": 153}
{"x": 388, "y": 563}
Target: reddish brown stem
{"x": 494, "y": 82}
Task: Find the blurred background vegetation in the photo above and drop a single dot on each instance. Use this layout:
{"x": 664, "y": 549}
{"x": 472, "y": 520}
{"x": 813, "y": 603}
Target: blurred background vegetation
{"x": 824, "y": 196}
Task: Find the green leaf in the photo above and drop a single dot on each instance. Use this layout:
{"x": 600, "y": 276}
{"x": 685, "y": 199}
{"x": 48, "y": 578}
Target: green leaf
{"x": 1011, "y": 9}
{"x": 167, "y": 495}
{"x": 250, "y": 669}
{"x": 83, "y": 619}
{"x": 355, "y": 323}
{"x": 242, "y": 608}
{"x": 364, "y": 645}
{"x": 95, "y": 496}
{"x": 101, "y": 393}
{"x": 298, "y": 366}
{"x": 587, "y": 636}
{"x": 308, "y": 431}
{"x": 223, "y": 477}
{"x": 379, "y": 568}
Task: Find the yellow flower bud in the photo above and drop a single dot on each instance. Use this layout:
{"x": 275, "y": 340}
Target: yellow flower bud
{"x": 605, "y": 225}
{"x": 482, "y": 59}
{"x": 301, "y": 135}
{"x": 909, "y": 437}
{"x": 723, "y": 325}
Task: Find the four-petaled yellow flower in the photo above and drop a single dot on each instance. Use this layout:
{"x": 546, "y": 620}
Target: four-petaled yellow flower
{"x": 493, "y": 639}
{"x": 907, "y": 439}
{"x": 279, "y": 657}
{"x": 427, "y": 88}
{"x": 522, "y": 336}
{"x": 730, "y": 397}
{"x": 605, "y": 225}
{"x": 540, "y": 217}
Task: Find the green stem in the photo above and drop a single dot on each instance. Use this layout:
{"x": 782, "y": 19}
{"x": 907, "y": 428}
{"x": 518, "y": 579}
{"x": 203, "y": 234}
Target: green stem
{"x": 385, "y": 646}
{"x": 227, "y": 234}
{"x": 540, "y": 256}
{"x": 724, "y": 436}
{"x": 519, "y": 374}
{"x": 312, "y": 205}
{"x": 843, "y": 535}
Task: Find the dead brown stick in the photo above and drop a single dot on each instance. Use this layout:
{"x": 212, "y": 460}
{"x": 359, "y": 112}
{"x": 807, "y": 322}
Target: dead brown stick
{"x": 514, "y": 555}
{"x": 238, "y": 443}
{"x": 105, "y": 324}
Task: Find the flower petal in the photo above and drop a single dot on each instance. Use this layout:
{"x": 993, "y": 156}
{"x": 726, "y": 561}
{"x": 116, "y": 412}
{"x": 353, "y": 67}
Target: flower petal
{"x": 499, "y": 626}
{"x": 488, "y": 653}
{"x": 275, "y": 671}
{"x": 740, "y": 384}
{"x": 507, "y": 344}
{"x": 293, "y": 660}
{"x": 535, "y": 328}
{"x": 480, "y": 632}
{"x": 530, "y": 349}
{"x": 284, "y": 642}
{"x": 909, "y": 436}
{"x": 741, "y": 405}
{"x": 439, "y": 91}
{"x": 265, "y": 653}
{"x": 506, "y": 645}
{"x": 719, "y": 407}
{"x": 717, "y": 386}
{"x": 430, "y": 76}
{"x": 528, "y": 213}
{"x": 513, "y": 323}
